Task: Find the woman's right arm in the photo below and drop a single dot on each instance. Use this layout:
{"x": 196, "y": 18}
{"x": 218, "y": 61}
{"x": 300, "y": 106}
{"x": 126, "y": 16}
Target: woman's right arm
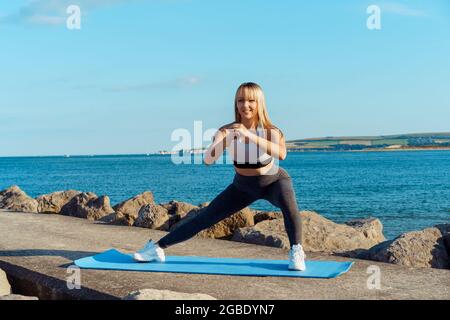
{"x": 221, "y": 141}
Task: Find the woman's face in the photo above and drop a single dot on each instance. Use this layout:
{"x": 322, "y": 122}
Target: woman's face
{"x": 247, "y": 107}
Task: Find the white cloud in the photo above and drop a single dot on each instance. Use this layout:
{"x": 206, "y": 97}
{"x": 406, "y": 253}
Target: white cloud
{"x": 177, "y": 83}
{"x": 53, "y": 12}
{"x": 401, "y": 9}
{"x": 189, "y": 80}
{"x": 41, "y": 19}
{"x": 170, "y": 84}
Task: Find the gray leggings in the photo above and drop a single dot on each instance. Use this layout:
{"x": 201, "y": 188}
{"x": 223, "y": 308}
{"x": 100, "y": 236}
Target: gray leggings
{"x": 244, "y": 190}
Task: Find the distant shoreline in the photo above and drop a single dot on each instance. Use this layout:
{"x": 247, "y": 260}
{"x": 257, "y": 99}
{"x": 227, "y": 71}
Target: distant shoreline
{"x": 168, "y": 154}
{"x": 374, "y": 150}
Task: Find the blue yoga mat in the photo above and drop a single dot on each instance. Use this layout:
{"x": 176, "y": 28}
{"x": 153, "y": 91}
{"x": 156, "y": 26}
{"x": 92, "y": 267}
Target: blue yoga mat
{"x": 115, "y": 260}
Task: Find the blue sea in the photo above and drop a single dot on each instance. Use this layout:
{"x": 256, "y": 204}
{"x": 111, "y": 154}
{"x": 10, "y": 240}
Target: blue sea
{"x": 406, "y": 190}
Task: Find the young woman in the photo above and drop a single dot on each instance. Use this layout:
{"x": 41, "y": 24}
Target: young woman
{"x": 254, "y": 144}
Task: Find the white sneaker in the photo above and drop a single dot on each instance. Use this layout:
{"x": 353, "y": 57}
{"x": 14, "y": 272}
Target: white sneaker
{"x": 297, "y": 258}
{"x": 150, "y": 252}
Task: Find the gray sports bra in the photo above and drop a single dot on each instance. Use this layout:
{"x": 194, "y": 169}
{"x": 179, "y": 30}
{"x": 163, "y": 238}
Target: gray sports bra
{"x": 247, "y": 155}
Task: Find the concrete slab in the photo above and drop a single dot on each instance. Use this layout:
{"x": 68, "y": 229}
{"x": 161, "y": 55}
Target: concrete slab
{"x": 36, "y": 249}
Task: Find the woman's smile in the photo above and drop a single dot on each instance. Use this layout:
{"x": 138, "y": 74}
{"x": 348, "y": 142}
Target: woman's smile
{"x": 247, "y": 107}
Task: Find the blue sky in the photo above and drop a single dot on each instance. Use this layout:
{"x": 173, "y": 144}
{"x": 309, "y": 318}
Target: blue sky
{"x": 137, "y": 70}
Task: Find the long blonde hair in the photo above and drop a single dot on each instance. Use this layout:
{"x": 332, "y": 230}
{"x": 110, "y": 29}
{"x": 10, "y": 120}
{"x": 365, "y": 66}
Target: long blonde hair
{"x": 254, "y": 91}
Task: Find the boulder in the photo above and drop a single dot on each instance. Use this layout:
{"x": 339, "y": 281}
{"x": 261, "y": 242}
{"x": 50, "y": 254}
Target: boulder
{"x": 53, "y": 202}
{"x": 154, "y": 294}
{"x": 370, "y": 228}
{"x": 204, "y": 204}
{"x": 266, "y": 233}
{"x": 88, "y": 206}
{"x": 319, "y": 234}
{"x": 14, "y": 199}
{"x": 177, "y": 210}
{"x": 153, "y": 216}
{"x": 127, "y": 211}
{"x": 424, "y": 248}
{"x": 223, "y": 229}
{"x": 17, "y": 297}
{"x": 267, "y": 215}
{"x": 444, "y": 228}
{"x": 5, "y": 287}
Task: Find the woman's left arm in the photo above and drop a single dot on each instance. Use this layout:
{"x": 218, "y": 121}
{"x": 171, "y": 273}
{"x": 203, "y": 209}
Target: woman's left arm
{"x": 275, "y": 145}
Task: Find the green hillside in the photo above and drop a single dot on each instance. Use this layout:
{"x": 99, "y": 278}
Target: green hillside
{"x": 414, "y": 140}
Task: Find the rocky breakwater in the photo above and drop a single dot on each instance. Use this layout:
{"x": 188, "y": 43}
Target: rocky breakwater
{"x": 361, "y": 238}
{"x": 14, "y": 199}
{"x": 70, "y": 203}
{"x": 429, "y": 248}
{"x": 319, "y": 233}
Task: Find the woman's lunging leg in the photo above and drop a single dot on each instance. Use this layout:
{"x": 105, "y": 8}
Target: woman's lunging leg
{"x": 224, "y": 205}
{"x": 282, "y": 195}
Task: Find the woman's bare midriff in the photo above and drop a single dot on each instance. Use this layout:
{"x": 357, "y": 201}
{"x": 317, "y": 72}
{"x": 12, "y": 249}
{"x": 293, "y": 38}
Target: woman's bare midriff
{"x": 257, "y": 171}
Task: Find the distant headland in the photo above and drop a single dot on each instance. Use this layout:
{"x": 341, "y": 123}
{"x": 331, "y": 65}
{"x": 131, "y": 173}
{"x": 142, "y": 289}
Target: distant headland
{"x": 410, "y": 141}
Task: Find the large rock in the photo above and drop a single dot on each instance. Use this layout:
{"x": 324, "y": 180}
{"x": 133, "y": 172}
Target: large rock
{"x": 5, "y": 287}
{"x": 15, "y": 199}
{"x": 267, "y": 215}
{"x": 53, "y": 202}
{"x": 88, "y": 206}
{"x": 204, "y": 204}
{"x": 318, "y": 233}
{"x": 444, "y": 228}
{"x": 424, "y": 248}
{"x": 370, "y": 228}
{"x": 223, "y": 229}
{"x": 127, "y": 211}
{"x": 177, "y": 210}
{"x": 154, "y": 294}
{"x": 153, "y": 216}
{"x": 267, "y": 233}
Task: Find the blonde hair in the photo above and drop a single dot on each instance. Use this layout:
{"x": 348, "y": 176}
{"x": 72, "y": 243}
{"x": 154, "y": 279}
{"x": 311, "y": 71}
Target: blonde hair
{"x": 252, "y": 90}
